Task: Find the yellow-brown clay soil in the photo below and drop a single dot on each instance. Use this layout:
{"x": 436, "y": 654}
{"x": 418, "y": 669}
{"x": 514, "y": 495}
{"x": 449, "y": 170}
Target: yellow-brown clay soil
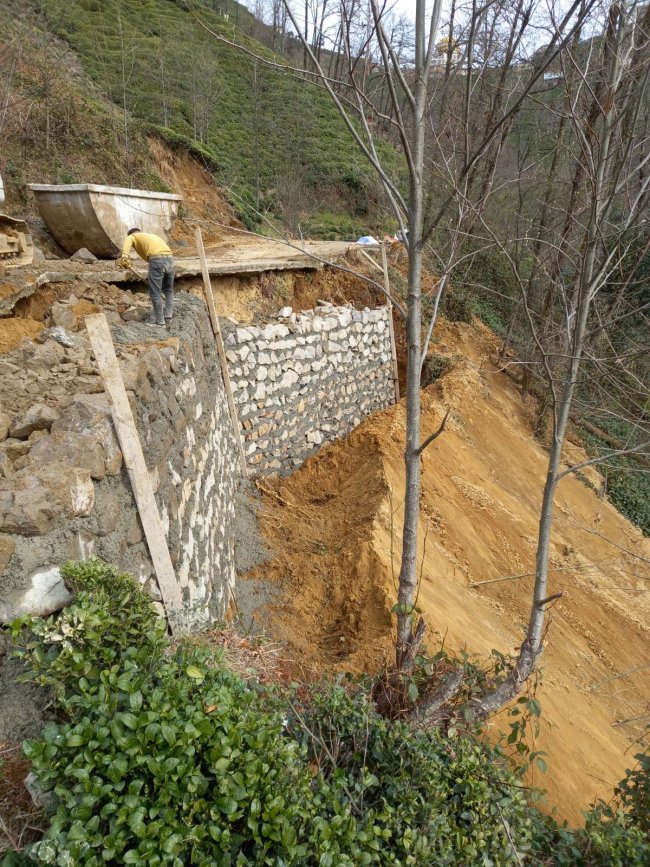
{"x": 330, "y": 528}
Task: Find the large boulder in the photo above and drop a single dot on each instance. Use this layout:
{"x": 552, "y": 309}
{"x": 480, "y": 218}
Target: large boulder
{"x": 90, "y": 415}
{"x": 38, "y": 417}
{"x": 74, "y": 449}
{"x": 34, "y": 498}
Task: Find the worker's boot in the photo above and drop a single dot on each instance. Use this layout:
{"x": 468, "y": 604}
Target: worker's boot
{"x": 168, "y": 323}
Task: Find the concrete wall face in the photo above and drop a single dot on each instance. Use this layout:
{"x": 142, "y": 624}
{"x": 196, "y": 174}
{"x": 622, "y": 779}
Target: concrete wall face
{"x": 306, "y": 380}
{"x": 74, "y": 499}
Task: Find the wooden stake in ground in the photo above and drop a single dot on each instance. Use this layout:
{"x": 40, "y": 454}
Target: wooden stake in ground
{"x": 216, "y": 328}
{"x": 393, "y": 351}
{"x": 127, "y": 433}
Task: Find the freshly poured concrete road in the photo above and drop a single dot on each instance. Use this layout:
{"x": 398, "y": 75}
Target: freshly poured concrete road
{"x": 241, "y": 255}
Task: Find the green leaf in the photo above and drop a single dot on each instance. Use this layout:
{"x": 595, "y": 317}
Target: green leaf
{"x": 195, "y": 673}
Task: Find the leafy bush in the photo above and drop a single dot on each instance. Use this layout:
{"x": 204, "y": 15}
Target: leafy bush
{"x": 434, "y": 367}
{"x": 633, "y": 792}
{"x": 161, "y": 756}
{"x": 610, "y": 838}
{"x": 423, "y": 797}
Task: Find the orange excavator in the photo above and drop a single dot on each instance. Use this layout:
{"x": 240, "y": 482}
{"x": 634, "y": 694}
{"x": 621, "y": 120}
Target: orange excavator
{"x": 16, "y": 246}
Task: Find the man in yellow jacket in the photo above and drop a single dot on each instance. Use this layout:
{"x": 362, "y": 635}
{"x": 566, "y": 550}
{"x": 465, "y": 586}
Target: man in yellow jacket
{"x": 157, "y": 254}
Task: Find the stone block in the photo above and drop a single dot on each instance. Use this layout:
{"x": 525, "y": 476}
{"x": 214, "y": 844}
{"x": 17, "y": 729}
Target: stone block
{"x": 243, "y": 335}
{"x": 43, "y": 593}
{"x": 83, "y": 255}
{"x": 135, "y": 314}
{"x": 157, "y": 366}
{"x": 7, "y": 548}
{"x": 15, "y": 449}
{"x": 81, "y": 546}
{"x": 42, "y": 358}
{"x": 5, "y": 425}
{"x": 38, "y": 417}
{"x": 91, "y": 416}
{"x": 7, "y": 368}
{"x": 6, "y": 465}
{"x": 73, "y": 449}
{"x": 107, "y": 512}
{"x": 134, "y": 373}
{"x": 33, "y": 499}
{"x": 135, "y": 534}
{"x": 63, "y": 316}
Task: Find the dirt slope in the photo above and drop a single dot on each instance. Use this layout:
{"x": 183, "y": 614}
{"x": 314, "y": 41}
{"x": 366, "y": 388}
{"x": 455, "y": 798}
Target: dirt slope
{"x": 330, "y": 525}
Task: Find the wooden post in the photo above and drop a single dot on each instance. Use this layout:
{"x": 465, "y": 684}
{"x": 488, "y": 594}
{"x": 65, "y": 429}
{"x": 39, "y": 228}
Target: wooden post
{"x": 127, "y": 433}
{"x": 393, "y": 351}
{"x": 216, "y": 328}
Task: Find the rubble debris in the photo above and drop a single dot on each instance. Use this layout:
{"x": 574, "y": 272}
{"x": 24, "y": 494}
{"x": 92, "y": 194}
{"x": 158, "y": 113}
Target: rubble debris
{"x": 57, "y": 333}
{"x": 83, "y": 255}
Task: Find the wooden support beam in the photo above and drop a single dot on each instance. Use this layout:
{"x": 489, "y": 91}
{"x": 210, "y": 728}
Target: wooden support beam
{"x": 216, "y": 328}
{"x": 371, "y": 260}
{"x": 393, "y": 350}
{"x": 127, "y": 434}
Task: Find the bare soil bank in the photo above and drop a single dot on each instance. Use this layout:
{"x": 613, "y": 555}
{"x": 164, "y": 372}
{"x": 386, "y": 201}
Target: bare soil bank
{"x": 337, "y": 560}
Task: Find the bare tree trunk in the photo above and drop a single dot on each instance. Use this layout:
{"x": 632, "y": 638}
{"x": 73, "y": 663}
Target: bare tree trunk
{"x": 408, "y": 569}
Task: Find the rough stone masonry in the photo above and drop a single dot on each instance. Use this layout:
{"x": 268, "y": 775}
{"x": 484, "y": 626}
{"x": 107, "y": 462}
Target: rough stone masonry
{"x": 66, "y": 494}
{"x": 309, "y": 378}
{"x": 64, "y": 489}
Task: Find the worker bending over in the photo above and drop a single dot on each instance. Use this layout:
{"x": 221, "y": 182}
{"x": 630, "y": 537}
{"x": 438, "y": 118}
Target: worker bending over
{"x": 155, "y": 251}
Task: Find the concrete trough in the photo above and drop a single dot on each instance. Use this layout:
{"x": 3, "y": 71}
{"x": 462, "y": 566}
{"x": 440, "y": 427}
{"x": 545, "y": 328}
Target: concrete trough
{"x": 98, "y": 218}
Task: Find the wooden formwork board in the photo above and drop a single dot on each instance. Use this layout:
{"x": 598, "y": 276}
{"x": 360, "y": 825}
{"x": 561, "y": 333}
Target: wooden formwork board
{"x": 127, "y": 434}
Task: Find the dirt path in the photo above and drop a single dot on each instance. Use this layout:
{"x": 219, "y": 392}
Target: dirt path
{"x": 331, "y": 526}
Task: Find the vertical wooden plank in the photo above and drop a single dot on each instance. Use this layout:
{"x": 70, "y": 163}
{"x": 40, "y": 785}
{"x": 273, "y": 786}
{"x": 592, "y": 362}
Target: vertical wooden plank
{"x": 216, "y": 328}
{"x": 127, "y": 433}
{"x": 384, "y": 262}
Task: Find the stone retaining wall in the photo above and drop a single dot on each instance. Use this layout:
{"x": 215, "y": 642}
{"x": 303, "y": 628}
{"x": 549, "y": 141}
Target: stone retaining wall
{"x": 64, "y": 490}
{"x": 309, "y": 378}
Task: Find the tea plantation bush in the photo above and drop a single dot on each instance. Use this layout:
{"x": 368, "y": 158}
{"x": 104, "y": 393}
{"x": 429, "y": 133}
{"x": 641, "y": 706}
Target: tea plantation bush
{"x": 161, "y": 756}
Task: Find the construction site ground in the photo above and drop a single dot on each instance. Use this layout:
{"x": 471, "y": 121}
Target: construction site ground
{"x": 333, "y": 529}
{"x": 241, "y": 253}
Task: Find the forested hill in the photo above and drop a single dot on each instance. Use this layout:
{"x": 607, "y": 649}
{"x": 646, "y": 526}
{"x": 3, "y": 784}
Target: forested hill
{"x": 275, "y": 143}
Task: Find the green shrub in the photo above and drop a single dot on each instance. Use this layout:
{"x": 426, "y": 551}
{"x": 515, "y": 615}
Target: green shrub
{"x": 109, "y": 619}
{"x": 420, "y": 797}
{"x": 434, "y": 367}
{"x": 610, "y": 838}
{"x": 161, "y": 756}
{"x": 633, "y": 792}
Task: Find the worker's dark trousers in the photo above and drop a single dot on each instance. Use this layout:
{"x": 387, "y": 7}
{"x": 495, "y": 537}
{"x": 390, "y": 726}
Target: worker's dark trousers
{"x": 161, "y": 280}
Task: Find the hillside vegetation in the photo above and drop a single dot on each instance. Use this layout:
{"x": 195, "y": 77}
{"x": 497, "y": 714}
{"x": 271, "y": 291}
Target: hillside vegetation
{"x": 163, "y": 756}
{"x": 275, "y": 143}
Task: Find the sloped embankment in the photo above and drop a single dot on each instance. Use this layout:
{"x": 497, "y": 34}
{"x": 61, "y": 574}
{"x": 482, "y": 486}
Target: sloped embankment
{"x": 337, "y": 561}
